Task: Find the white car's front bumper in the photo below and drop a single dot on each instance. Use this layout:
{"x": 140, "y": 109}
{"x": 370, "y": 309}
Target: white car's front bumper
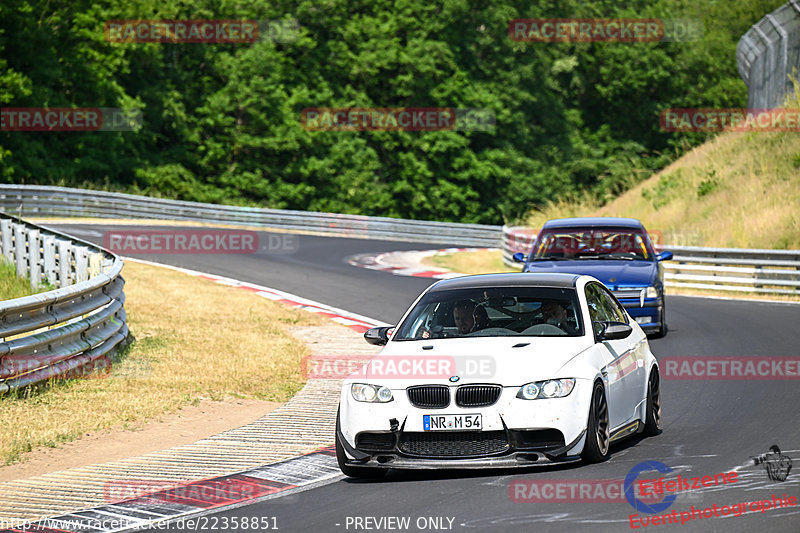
{"x": 515, "y": 432}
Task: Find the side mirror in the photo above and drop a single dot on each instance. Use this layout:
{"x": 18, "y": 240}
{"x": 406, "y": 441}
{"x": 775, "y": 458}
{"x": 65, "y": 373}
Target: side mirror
{"x": 519, "y": 257}
{"x": 377, "y": 336}
{"x": 664, "y": 256}
{"x": 610, "y": 331}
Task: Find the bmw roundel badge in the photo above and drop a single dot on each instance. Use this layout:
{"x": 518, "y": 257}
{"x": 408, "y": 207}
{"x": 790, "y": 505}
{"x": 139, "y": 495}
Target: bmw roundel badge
{"x": 453, "y": 379}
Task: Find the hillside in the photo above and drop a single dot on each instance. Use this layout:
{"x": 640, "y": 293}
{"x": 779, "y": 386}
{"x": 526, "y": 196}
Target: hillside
{"x": 737, "y": 190}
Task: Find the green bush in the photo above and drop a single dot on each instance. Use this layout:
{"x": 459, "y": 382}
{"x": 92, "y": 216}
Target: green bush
{"x": 708, "y": 185}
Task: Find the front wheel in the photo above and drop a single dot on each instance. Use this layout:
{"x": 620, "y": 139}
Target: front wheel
{"x": 652, "y": 420}
{"x": 354, "y": 471}
{"x": 597, "y": 431}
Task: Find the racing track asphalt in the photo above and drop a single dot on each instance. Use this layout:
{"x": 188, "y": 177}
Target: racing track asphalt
{"x": 709, "y": 426}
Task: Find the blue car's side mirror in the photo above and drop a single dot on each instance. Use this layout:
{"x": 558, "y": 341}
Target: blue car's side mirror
{"x": 664, "y": 256}
{"x": 518, "y": 257}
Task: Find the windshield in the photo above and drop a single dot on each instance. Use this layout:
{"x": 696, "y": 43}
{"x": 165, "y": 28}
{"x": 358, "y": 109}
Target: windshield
{"x": 493, "y": 312}
{"x": 595, "y": 243}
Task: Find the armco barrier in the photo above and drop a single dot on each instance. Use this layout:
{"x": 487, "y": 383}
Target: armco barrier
{"x": 66, "y": 330}
{"x": 722, "y": 269}
{"x": 31, "y": 200}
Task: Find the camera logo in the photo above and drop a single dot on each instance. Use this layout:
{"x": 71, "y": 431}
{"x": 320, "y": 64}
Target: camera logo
{"x": 777, "y": 465}
{"x": 638, "y": 503}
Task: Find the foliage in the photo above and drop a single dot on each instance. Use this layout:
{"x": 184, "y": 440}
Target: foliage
{"x": 222, "y": 121}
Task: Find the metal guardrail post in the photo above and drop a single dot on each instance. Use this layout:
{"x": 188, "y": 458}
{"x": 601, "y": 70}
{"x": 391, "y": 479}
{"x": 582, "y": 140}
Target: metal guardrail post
{"x": 64, "y": 263}
{"x": 50, "y": 270}
{"x": 19, "y": 250}
{"x": 34, "y": 258}
{"x": 81, "y": 263}
{"x": 7, "y": 237}
{"x": 95, "y": 264}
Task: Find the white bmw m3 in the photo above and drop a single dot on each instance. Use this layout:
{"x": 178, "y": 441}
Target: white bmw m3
{"x": 500, "y": 370}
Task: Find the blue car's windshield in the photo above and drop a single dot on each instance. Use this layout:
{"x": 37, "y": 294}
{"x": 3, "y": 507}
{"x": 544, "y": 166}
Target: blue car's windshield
{"x": 493, "y": 312}
{"x": 594, "y": 243}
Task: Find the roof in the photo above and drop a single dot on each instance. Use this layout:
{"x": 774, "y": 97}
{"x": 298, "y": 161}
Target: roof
{"x": 593, "y": 222}
{"x": 510, "y": 279}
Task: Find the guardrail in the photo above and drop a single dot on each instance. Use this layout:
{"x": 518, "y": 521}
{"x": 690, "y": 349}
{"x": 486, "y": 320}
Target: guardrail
{"x": 721, "y": 269}
{"x": 63, "y": 331}
{"x": 31, "y": 200}
{"x": 766, "y": 55}
{"x": 724, "y": 269}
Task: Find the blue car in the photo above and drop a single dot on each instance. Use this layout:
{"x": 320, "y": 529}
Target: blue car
{"x": 617, "y": 251}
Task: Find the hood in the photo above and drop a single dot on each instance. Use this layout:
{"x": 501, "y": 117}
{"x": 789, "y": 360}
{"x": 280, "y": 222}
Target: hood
{"x": 623, "y": 273}
{"x": 473, "y": 360}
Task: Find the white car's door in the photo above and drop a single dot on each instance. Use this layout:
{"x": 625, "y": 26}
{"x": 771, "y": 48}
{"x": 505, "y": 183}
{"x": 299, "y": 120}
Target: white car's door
{"x": 623, "y": 369}
{"x": 630, "y": 360}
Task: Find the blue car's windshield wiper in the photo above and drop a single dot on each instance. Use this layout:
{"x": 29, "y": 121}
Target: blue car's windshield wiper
{"x": 606, "y": 256}
{"x": 587, "y": 256}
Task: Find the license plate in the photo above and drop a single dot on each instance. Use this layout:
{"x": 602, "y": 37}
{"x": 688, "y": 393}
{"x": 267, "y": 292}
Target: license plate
{"x": 451, "y": 422}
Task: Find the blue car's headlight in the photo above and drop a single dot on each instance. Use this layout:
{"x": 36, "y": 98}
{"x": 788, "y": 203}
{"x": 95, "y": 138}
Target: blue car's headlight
{"x": 552, "y": 388}
{"x": 363, "y": 392}
{"x": 652, "y": 292}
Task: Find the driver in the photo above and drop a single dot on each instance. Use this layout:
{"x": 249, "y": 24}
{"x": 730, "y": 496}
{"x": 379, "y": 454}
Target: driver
{"x": 555, "y": 314}
{"x": 469, "y": 317}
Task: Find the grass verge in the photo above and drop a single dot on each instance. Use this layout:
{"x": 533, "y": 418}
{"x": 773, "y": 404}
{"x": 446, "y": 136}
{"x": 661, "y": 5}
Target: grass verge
{"x": 195, "y": 340}
{"x": 12, "y": 286}
{"x": 480, "y": 262}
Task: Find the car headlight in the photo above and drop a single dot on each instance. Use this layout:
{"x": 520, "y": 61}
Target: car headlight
{"x": 552, "y": 388}
{"x": 363, "y": 392}
{"x": 652, "y": 292}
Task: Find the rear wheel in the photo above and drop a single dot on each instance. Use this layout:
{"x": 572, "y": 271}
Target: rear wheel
{"x": 652, "y": 420}
{"x": 597, "y": 431}
{"x": 354, "y": 471}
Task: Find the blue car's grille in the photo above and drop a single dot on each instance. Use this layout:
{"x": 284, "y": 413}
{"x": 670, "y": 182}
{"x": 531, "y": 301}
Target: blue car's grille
{"x": 628, "y": 293}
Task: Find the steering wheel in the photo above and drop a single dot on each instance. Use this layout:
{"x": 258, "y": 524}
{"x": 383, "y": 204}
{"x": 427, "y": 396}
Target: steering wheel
{"x": 543, "y": 329}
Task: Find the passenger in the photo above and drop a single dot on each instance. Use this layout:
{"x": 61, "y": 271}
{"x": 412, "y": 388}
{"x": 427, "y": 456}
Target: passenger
{"x": 555, "y": 314}
{"x": 469, "y": 317}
